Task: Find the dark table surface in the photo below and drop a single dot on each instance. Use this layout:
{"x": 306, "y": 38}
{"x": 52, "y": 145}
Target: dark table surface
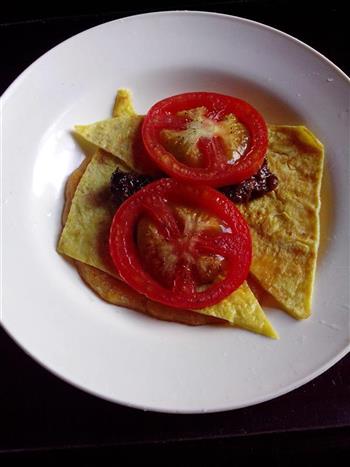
{"x": 45, "y": 419}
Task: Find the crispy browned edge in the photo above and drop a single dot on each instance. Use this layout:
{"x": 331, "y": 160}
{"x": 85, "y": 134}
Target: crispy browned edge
{"x": 117, "y": 292}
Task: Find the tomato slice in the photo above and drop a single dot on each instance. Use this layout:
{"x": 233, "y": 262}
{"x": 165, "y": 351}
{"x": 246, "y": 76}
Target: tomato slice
{"x": 186, "y": 246}
{"x": 206, "y": 138}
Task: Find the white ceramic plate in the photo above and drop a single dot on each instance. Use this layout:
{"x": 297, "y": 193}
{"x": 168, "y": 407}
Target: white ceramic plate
{"x": 116, "y": 353}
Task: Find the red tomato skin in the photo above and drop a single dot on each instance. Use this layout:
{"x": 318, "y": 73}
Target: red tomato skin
{"x": 128, "y": 263}
{"x": 218, "y": 105}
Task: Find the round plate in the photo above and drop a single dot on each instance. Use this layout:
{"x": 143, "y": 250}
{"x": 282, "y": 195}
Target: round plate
{"x": 119, "y": 354}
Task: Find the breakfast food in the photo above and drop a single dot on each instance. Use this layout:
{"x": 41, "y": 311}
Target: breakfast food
{"x": 284, "y": 253}
{"x": 285, "y": 224}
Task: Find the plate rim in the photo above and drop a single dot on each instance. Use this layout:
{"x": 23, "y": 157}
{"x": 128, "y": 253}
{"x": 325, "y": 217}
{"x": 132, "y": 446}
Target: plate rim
{"x": 12, "y": 333}
{"x": 21, "y": 76}
{"x": 225, "y": 408}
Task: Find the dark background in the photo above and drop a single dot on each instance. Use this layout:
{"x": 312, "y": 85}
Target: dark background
{"x": 45, "y": 420}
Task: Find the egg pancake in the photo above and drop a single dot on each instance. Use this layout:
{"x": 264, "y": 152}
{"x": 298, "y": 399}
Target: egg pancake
{"x": 285, "y": 223}
{"x": 249, "y": 316}
{"x": 86, "y": 232}
{"x": 116, "y": 135}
